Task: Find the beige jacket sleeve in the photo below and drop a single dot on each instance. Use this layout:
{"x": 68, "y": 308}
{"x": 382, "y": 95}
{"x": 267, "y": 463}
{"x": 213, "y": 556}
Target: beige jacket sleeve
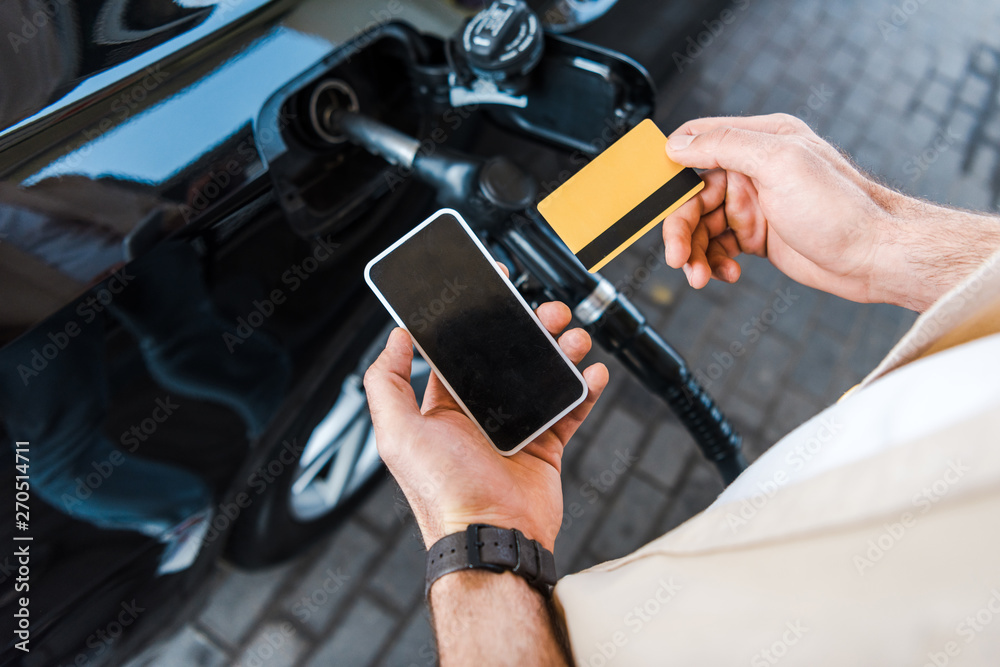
{"x": 892, "y": 558}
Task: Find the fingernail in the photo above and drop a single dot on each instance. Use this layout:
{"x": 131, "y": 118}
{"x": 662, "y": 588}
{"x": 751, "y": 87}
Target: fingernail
{"x": 678, "y": 142}
{"x": 687, "y": 271}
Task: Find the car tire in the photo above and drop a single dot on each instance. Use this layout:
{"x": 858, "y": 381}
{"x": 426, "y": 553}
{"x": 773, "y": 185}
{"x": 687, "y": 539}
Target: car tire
{"x": 316, "y": 474}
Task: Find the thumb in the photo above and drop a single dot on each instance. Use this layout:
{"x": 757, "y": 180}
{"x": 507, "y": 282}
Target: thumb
{"x": 387, "y": 381}
{"x": 733, "y": 149}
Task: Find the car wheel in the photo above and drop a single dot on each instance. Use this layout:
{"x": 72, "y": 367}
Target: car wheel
{"x": 336, "y": 467}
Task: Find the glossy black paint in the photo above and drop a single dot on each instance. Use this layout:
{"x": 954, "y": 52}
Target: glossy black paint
{"x": 162, "y": 326}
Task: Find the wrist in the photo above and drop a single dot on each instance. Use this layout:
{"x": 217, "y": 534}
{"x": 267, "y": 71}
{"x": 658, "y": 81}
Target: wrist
{"x": 433, "y": 529}
{"x": 927, "y": 249}
{"x": 460, "y": 525}
{"x": 493, "y": 549}
{"x": 485, "y": 618}
{"x": 465, "y": 582}
{"x": 891, "y": 280}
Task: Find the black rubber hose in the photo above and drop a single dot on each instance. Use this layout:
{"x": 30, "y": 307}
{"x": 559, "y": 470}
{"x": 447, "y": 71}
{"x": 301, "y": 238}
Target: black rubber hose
{"x": 622, "y": 330}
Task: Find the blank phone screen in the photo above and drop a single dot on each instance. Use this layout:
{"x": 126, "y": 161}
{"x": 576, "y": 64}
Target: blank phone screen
{"x": 473, "y": 329}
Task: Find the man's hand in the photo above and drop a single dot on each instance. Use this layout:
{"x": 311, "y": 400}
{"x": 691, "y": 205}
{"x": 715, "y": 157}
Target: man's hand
{"x": 450, "y": 474}
{"x": 775, "y": 189}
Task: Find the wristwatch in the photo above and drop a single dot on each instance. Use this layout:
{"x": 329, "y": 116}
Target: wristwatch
{"x": 485, "y": 547}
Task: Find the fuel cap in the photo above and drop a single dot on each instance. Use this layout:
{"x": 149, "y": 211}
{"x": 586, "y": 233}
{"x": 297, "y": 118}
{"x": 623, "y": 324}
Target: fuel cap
{"x": 503, "y": 42}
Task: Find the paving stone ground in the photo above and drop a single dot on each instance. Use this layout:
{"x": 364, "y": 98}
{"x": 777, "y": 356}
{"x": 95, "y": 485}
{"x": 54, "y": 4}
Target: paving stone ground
{"x": 909, "y": 89}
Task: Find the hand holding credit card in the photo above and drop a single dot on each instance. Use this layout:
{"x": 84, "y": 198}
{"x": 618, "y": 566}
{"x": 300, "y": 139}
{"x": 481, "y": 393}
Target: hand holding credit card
{"x": 619, "y": 196}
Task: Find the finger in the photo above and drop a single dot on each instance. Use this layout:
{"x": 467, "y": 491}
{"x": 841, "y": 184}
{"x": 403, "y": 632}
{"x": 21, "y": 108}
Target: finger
{"x": 715, "y": 222}
{"x": 777, "y": 123}
{"x": 730, "y": 243}
{"x": 734, "y": 149}
{"x": 503, "y": 267}
{"x": 679, "y": 226}
{"x": 575, "y": 343}
{"x": 554, "y": 315}
{"x": 724, "y": 268}
{"x": 745, "y": 216}
{"x": 387, "y": 381}
{"x": 713, "y": 195}
{"x": 437, "y": 396}
{"x": 596, "y": 377}
{"x": 698, "y": 270}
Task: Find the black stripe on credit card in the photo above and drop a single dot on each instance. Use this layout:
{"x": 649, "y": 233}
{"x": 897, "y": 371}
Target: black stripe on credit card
{"x": 640, "y": 216}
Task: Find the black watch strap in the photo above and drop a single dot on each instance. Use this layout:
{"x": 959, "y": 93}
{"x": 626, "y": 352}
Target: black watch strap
{"x": 486, "y": 547}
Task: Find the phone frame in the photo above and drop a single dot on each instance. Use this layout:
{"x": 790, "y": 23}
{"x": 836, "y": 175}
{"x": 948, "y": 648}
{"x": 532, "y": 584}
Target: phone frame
{"x": 585, "y": 389}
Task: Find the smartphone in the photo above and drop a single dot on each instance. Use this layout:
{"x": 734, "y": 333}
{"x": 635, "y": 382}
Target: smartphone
{"x": 476, "y": 331}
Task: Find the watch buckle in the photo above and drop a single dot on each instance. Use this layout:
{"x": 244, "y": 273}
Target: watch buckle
{"x": 474, "y": 543}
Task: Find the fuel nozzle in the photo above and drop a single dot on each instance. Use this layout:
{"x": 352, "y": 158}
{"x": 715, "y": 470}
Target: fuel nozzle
{"x": 484, "y": 190}
{"x": 397, "y": 148}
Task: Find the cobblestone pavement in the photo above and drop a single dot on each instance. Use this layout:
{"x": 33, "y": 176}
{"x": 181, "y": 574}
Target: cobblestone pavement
{"x": 910, "y": 89}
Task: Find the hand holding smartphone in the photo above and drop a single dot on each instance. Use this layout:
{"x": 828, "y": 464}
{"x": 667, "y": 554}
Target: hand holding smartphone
{"x": 476, "y": 331}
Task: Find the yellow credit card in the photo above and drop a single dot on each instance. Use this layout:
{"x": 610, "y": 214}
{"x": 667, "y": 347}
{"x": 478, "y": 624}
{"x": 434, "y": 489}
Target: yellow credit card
{"x": 619, "y": 196}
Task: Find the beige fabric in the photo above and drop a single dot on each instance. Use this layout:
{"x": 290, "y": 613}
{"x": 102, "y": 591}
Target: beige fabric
{"x": 891, "y": 560}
